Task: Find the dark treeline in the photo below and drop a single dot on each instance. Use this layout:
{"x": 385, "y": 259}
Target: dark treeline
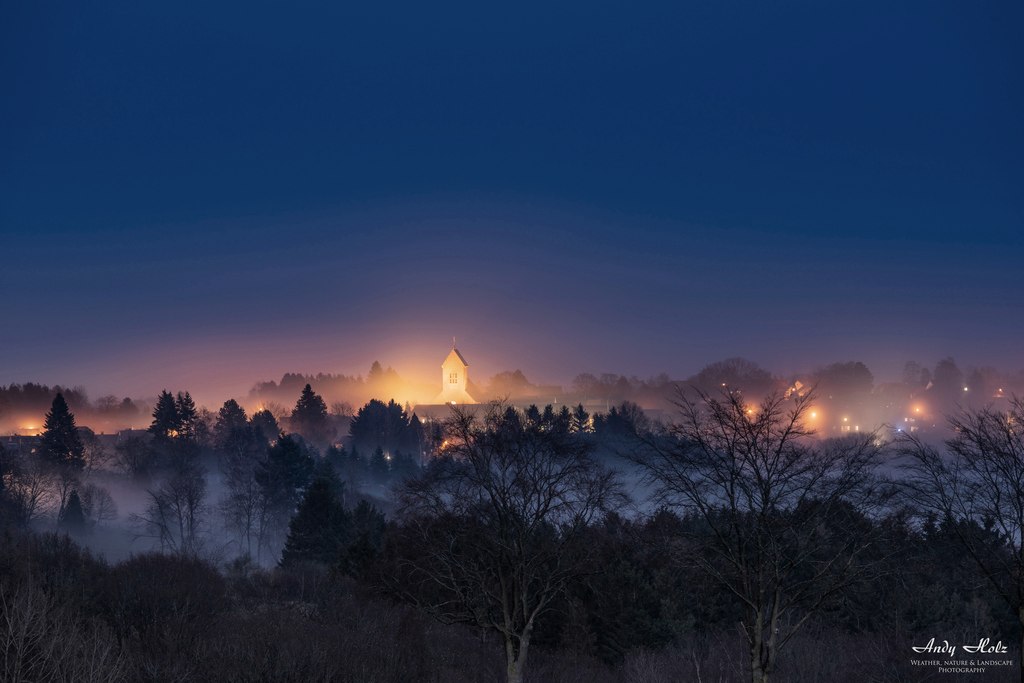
{"x": 22, "y": 404}
{"x": 505, "y": 544}
{"x": 850, "y": 396}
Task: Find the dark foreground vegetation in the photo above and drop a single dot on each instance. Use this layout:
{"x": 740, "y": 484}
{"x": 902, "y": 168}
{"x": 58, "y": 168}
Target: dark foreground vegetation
{"x": 67, "y": 616}
{"x": 755, "y": 551}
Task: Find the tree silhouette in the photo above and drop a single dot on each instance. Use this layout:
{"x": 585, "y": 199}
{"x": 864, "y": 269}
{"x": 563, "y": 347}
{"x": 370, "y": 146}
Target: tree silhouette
{"x": 72, "y": 519}
{"x": 264, "y": 422}
{"x": 166, "y": 420}
{"x": 320, "y": 527}
{"x": 977, "y": 487}
{"x": 379, "y": 465}
{"x": 230, "y": 419}
{"x": 188, "y": 418}
{"x": 282, "y": 477}
{"x": 366, "y": 538}
{"x": 772, "y": 503}
{"x": 176, "y": 511}
{"x": 309, "y": 416}
{"x": 580, "y": 421}
{"x": 382, "y": 425}
{"x": 60, "y": 444}
{"x": 734, "y": 373}
{"x": 493, "y": 530}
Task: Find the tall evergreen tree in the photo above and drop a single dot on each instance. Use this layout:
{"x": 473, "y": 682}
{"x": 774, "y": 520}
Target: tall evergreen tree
{"x": 264, "y": 422}
{"x": 72, "y": 519}
{"x": 9, "y": 508}
{"x": 61, "y": 444}
{"x": 166, "y": 420}
{"x": 580, "y": 419}
{"x": 563, "y": 420}
{"x": 230, "y": 416}
{"x": 231, "y": 421}
{"x": 188, "y": 417}
{"x": 337, "y": 456}
{"x": 382, "y": 425}
{"x": 511, "y": 418}
{"x": 548, "y": 418}
{"x": 379, "y": 465}
{"x": 309, "y": 417}
{"x": 367, "y": 537}
{"x": 321, "y": 526}
{"x": 285, "y": 474}
{"x": 414, "y": 436}
{"x": 376, "y": 372}
{"x": 404, "y": 466}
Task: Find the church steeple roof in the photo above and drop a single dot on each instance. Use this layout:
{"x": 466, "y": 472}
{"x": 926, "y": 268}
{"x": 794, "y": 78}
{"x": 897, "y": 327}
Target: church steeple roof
{"x": 455, "y": 352}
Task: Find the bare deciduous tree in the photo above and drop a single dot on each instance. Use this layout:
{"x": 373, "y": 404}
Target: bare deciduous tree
{"x": 495, "y": 526}
{"x": 40, "y": 641}
{"x": 98, "y": 504}
{"x": 95, "y": 454}
{"x": 244, "y": 506}
{"x": 775, "y": 509}
{"x": 342, "y": 408}
{"x": 133, "y": 456}
{"x": 29, "y": 487}
{"x": 176, "y": 512}
{"x": 978, "y": 485}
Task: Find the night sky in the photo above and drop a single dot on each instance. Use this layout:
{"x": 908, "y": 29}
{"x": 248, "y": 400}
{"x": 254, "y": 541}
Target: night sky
{"x": 200, "y": 195}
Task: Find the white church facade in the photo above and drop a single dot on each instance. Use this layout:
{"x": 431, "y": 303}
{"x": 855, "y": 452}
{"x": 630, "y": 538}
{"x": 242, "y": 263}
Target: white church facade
{"x": 454, "y": 388}
{"x": 454, "y": 380}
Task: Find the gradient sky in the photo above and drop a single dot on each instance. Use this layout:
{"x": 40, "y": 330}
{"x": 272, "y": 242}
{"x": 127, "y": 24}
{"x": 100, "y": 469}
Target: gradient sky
{"x": 199, "y": 195}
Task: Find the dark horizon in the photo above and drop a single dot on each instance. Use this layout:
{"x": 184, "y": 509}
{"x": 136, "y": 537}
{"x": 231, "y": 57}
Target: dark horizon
{"x": 421, "y": 376}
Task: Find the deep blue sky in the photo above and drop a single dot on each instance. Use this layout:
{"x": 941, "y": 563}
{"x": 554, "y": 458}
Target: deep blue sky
{"x": 204, "y": 194}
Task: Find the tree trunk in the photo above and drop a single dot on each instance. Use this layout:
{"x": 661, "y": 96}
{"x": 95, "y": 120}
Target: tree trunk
{"x": 758, "y": 661}
{"x": 516, "y": 661}
{"x": 757, "y": 670}
{"x": 515, "y": 672}
{"x": 762, "y": 657}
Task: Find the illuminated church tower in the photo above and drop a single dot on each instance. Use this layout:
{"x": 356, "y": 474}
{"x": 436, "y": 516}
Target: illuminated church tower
{"x": 454, "y": 379}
